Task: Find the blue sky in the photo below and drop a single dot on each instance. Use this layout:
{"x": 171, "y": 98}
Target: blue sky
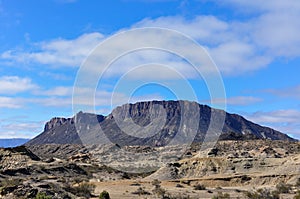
{"x": 255, "y": 45}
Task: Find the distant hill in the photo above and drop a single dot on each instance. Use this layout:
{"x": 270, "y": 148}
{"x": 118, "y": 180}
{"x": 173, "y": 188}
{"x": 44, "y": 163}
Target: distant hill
{"x": 13, "y": 142}
{"x": 84, "y": 127}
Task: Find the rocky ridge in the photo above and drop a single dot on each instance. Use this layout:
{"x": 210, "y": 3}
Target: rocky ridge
{"x": 128, "y": 124}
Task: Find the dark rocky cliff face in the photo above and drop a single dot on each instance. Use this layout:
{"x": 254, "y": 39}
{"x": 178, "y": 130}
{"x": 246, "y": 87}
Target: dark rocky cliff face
{"x": 154, "y": 123}
{"x": 56, "y": 122}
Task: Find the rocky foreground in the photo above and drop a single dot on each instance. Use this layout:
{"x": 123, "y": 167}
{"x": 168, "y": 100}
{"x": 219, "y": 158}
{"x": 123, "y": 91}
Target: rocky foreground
{"x": 232, "y": 169}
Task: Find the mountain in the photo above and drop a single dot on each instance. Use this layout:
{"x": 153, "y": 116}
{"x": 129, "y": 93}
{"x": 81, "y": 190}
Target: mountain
{"x": 154, "y": 123}
{"x": 12, "y": 142}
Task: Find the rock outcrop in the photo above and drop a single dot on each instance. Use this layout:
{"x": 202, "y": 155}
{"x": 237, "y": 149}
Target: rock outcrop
{"x": 153, "y": 123}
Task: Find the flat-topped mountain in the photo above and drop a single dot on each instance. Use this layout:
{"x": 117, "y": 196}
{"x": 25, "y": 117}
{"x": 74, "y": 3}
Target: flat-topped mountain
{"x": 153, "y": 123}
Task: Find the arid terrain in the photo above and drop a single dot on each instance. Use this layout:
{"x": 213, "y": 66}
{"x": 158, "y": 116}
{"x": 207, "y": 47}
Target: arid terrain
{"x": 236, "y": 168}
{"x": 75, "y": 158}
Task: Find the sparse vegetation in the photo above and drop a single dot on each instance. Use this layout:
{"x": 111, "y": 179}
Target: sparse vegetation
{"x": 135, "y": 184}
{"x": 159, "y": 191}
{"x": 298, "y": 182}
{"x": 179, "y": 185}
{"x": 267, "y": 194}
{"x": 297, "y": 196}
{"x": 11, "y": 182}
{"x": 262, "y": 194}
{"x": 59, "y": 179}
{"x": 178, "y": 196}
{"x": 187, "y": 182}
{"x": 283, "y": 188}
{"x": 82, "y": 190}
{"x": 199, "y": 187}
{"x": 141, "y": 191}
{"x": 155, "y": 182}
{"x": 40, "y": 195}
{"x": 104, "y": 195}
{"x": 221, "y": 196}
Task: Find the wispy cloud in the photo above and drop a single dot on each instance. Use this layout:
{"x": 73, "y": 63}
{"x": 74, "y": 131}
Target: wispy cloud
{"x": 237, "y": 47}
{"x": 275, "y": 26}
{"x": 286, "y": 120}
{"x": 53, "y": 75}
{"x": 21, "y": 129}
{"x": 236, "y": 100}
{"x": 58, "y": 52}
{"x": 243, "y": 100}
{"x": 62, "y": 96}
{"x": 288, "y": 92}
{"x": 258, "y": 6}
{"x": 55, "y": 91}
{"x": 15, "y": 84}
{"x": 280, "y": 116}
{"x": 9, "y": 102}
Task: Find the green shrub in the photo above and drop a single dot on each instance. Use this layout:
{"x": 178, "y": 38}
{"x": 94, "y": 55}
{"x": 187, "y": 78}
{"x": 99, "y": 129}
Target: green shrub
{"x": 104, "y": 195}
{"x": 42, "y": 196}
{"x": 297, "y": 196}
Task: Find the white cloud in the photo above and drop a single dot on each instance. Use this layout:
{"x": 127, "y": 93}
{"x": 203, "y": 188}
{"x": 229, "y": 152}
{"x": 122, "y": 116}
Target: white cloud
{"x": 9, "y": 102}
{"x": 62, "y": 97}
{"x": 286, "y": 121}
{"x": 151, "y": 64}
{"x": 280, "y": 116}
{"x": 224, "y": 40}
{"x": 237, "y": 47}
{"x": 19, "y": 129}
{"x": 275, "y": 27}
{"x": 29, "y": 126}
{"x": 289, "y": 92}
{"x": 278, "y": 33}
{"x": 207, "y": 29}
{"x": 238, "y": 57}
{"x": 259, "y": 6}
{"x": 243, "y": 100}
{"x": 236, "y": 100}
{"x": 58, "y": 52}
{"x": 15, "y": 84}
{"x": 55, "y": 91}
{"x": 240, "y": 47}
{"x": 55, "y": 76}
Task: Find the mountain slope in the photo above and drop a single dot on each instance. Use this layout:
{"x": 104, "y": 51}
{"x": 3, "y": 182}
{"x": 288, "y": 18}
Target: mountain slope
{"x": 154, "y": 123}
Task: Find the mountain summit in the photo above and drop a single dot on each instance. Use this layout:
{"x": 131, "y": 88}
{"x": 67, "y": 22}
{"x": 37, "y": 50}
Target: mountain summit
{"x": 154, "y": 123}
